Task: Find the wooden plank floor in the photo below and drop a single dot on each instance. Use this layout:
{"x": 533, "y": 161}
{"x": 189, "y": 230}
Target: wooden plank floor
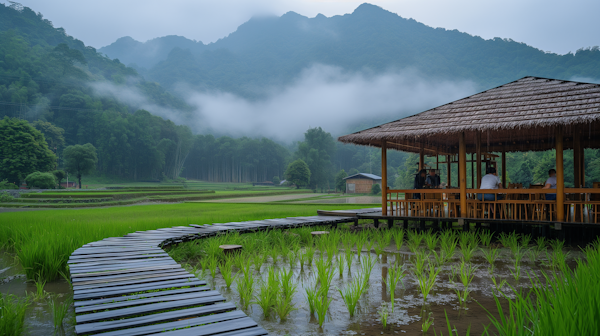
{"x": 130, "y": 286}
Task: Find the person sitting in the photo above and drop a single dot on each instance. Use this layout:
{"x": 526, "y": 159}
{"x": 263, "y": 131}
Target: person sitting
{"x": 490, "y": 181}
{"x": 420, "y": 182}
{"x": 551, "y": 184}
{"x": 433, "y": 180}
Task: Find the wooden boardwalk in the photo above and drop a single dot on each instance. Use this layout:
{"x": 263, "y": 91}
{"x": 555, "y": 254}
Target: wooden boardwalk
{"x": 130, "y": 286}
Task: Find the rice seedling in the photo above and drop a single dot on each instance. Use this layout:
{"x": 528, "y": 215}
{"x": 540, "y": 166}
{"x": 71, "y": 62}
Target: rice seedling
{"x": 310, "y": 252}
{"x": 453, "y": 331}
{"x": 383, "y": 314}
{"x": 518, "y": 254}
{"x": 287, "y": 289}
{"x": 557, "y": 259}
{"x": 369, "y": 244}
{"x": 367, "y": 267}
{"x": 506, "y": 239}
{"x": 448, "y": 244}
{"x": 419, "y": 262}
{"x": 485, "y": 237}
{"x": 532, "y": 254}
{"x": 269, "y": 290}
{"x": 312, "y": 296}
{"x": 59, "y": 311}
{"x": 351, "y": 294}
{"x": 497, "y": 285}
{"x": 274, "y": 252}
{"x": 293, "y": 258}
{"x": 227, "y": 272}
{"x": 525, "y": 239}
{"x": 491, "y": 255}
{"x": 259, "y": 258}
{"x": 40, "y": 293}
{"x": 557, "y": 244}
{"x": 12, "y": 314}
{"x": 395, "y": 274}
{"x": 245, "y": 286}
{"x": 212, "y": 263}
{"x": 541, "y": 243}
{"x": 325, "y": 275}
{"x": 360, "y": 242}
{"x": 431, "y": 240}
{"x": 469, "y": 239}
{"x": 349, "y": 257}
{"x": 468, "y": 250}
{"x": 427, "y": 280}
{"x": 321, "y": 307}
{"x": 427, "y": 322}
{"x": 466, "y": 273}
{"x": 399, "y": 238}
{"x": 340, "y": 263}
{"x": 379, "y": 249}
{"x": 414, "y": 241}
{"x": 65, "y": 275}
{"x": 440, "y": 258}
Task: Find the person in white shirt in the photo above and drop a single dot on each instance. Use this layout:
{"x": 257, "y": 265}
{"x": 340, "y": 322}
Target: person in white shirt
{"x": 490, "y": 181}
{"x": 551, "y": 184}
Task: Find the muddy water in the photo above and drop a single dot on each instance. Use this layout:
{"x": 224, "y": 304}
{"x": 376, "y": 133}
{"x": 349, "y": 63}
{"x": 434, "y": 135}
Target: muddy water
{"x": 409, "y": 306}
{"x": 38, "y": 317}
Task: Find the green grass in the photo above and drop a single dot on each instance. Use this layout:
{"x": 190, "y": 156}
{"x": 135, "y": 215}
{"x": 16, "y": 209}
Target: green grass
{"x": 12, "y": 314}
{"x": 44, "y": 240}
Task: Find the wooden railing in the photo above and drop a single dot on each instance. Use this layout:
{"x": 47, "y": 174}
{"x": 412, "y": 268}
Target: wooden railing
{"x": 579, "y": 205}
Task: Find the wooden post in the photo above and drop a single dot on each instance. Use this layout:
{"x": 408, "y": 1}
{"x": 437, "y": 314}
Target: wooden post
{"x": 576, "y": 161}
{"x": 462, "y": 173}
{"x": 560, "y": 176}
{"x": 449, "y": 172}
{"x": 472, "y": 170}
{"x": 478, "y": 150}
{"x": 384, "y": 178}
{"x": 421, "y": 157}
{"x": 582, "y": 165}
{"x": 503, "y": 169}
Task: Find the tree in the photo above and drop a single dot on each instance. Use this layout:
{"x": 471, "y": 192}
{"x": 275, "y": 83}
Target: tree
{"x": 276, "y": 180}
{"x": 340, "y": 183}
{"x": 23, "y": 150}
{"x": 375, "y": 189}
{"x": 317, "y": 150}
{"x": 60, "y": 175}
{"x": 80, "y": 160}
{"x": 298, "y": 173}
{"x": 53, "y": 134}
{"x": 41, "y": 180}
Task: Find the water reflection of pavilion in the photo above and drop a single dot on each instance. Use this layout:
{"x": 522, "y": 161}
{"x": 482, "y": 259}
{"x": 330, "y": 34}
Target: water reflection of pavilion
{"x": 530, "y": 114}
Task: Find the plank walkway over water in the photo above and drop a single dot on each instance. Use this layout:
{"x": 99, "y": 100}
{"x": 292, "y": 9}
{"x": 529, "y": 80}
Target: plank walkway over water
{"x": 130, "y": 286}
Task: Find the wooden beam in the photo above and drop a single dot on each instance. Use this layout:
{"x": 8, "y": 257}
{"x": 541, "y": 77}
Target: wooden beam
{"x": 384, "y": 178}
{"x": 462, "y": 173}
{"x": 560, "y": 176}
{"x": 478, "y": 153}
{"x": 504, "y": 169}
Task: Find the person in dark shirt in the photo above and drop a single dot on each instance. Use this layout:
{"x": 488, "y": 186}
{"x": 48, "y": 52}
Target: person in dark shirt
{"x": 433, "y": 179}
{"x": 420, "y": 182}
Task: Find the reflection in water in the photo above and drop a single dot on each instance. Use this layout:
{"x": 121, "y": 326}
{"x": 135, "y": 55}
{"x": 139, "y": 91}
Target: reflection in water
{"x": 348, "y": 200}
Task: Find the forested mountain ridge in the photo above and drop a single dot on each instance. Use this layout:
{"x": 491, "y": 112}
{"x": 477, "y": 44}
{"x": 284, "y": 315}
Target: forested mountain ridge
{"x": 273, "y": 50}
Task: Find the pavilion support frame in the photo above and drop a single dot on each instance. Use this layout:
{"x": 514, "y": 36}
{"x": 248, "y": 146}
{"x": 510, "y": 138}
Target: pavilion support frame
{"x": 504, "y": 169}
{"x": 577, "y": 161}
{"x": 384, "y": 187}
{"x": 421, "y": 158}
{"x": 478, "y": 153}
{"x": 449, "y": 170}
{"x": 462, "y": 173}
{"x": 560, "y": 176}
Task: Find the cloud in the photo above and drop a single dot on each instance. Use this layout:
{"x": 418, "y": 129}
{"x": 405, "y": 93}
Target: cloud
{"x": 322, "y": 96}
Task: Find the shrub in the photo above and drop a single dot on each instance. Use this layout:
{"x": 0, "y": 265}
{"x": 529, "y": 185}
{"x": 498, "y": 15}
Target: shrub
{"x": 375, "y": 189}
{"x": 4, "y": 184}
{"x": 5, "y": 197}
{"x": 41, "y": 180}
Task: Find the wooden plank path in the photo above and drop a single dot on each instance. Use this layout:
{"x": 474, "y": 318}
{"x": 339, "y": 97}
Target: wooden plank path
{"x": 130, "y": 286}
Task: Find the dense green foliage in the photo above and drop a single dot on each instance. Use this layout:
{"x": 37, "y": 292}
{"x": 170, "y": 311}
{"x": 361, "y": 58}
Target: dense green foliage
{"x": 317, "y": 151}
{"x": 41, "y": 180}
{"x": 298, "y": 173}
{"x": 23, "y": 150}
{"x": 272, "y": 50}
{"x": 340, "y": 183}
{"x": 80, "y": 160}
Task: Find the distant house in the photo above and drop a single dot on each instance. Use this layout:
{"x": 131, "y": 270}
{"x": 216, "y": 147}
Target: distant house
{"x": 361, "y": 183}
{"x": 68, "y": 184}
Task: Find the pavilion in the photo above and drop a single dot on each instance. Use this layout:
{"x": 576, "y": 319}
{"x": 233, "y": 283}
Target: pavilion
{"x": 529, "y": 114}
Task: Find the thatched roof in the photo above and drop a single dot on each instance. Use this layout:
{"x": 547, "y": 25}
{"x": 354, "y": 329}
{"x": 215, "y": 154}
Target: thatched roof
{"x": 521, "y": 115}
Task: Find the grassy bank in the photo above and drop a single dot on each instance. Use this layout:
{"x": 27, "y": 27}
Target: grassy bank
{"x": 44, "y": 240}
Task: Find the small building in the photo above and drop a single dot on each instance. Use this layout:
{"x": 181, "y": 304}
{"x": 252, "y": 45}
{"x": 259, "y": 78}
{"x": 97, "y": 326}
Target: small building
{"x": 361, "y": 183}
{"x": 68, "y": 184}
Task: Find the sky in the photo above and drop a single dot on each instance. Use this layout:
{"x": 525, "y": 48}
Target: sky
{"x": 550, "y": 25}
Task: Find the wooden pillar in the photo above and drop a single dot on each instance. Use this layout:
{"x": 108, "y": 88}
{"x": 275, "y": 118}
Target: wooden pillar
{"x": 560, "y": 176}
{"x": 503, "y": 169}
{"x": 384, "y": 178}
{"x": 473, "y": 171}
{"x": 462, "y": 173}
{"x": 478, "y": 150}
{"x": 449, "y": 168}
{"x": 576, "y": 161}
{"x": 582, "y": 165}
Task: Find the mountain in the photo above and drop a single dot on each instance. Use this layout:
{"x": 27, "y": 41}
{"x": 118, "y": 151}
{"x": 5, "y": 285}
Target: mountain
{"x": 269, "y": 51}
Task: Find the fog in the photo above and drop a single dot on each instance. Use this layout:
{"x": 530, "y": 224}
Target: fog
{"x": 322, "y": 96}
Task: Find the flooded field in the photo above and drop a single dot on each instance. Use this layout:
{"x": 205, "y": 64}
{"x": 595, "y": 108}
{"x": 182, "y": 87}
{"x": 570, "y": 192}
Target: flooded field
{"x": 38, "y": 314}
{"x": 416, "y": 263}
{"x": 347, "y": 200}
